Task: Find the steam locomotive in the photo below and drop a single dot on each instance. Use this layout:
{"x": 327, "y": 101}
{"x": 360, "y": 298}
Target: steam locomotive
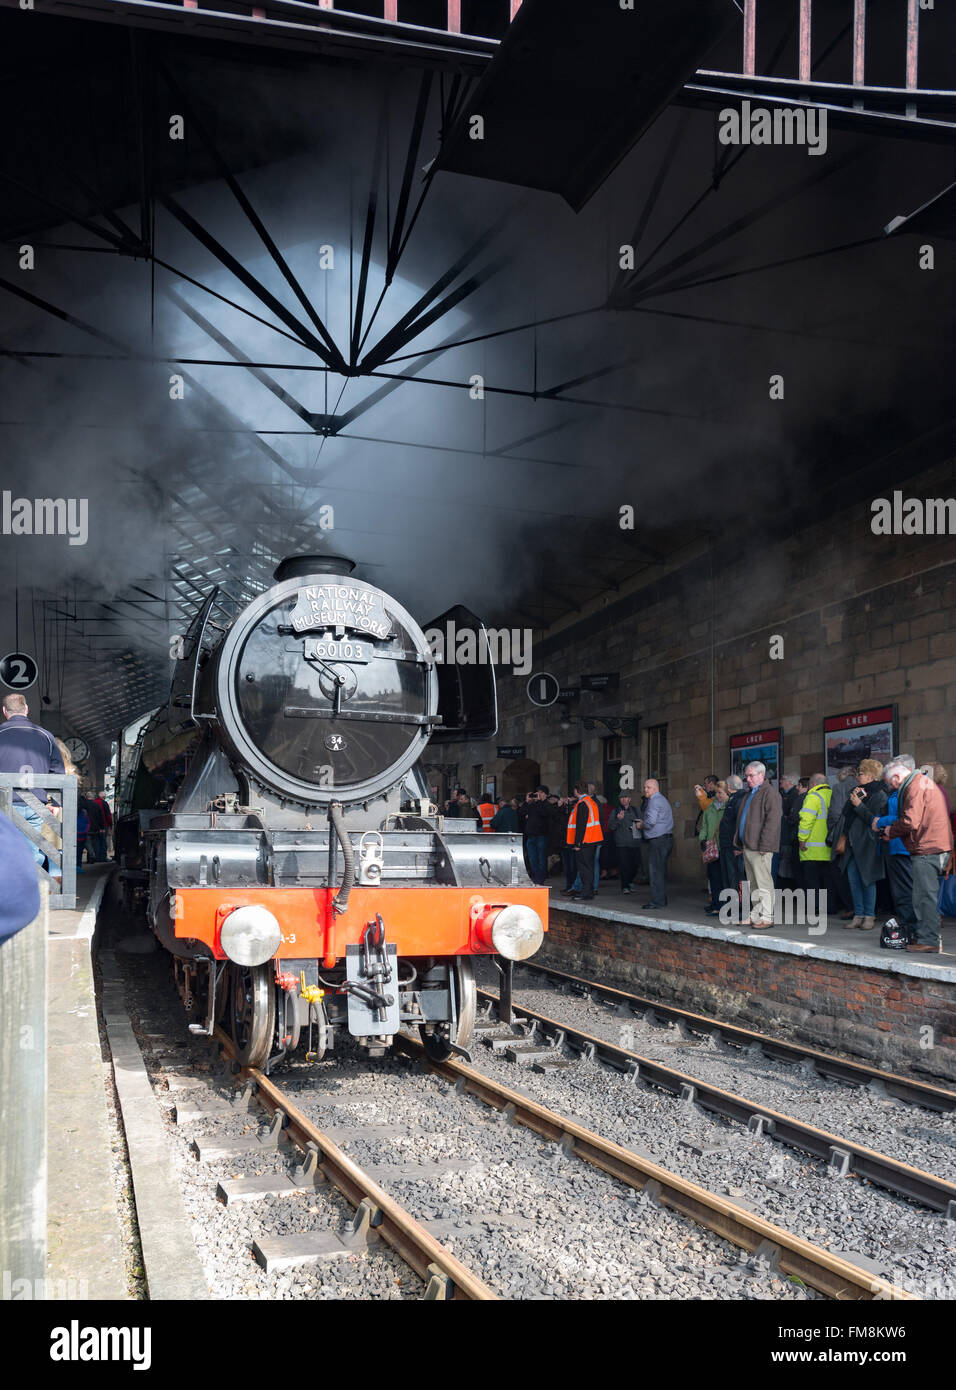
{"x": 300, "y": 877}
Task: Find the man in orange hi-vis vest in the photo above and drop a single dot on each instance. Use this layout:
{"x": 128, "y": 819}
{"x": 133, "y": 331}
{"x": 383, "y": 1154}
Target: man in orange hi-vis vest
{"x": 486, "y": 809}
{"x": 584, "y": 836}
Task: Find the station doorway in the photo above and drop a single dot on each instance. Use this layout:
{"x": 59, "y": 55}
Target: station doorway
{"x": 520, "y": 776}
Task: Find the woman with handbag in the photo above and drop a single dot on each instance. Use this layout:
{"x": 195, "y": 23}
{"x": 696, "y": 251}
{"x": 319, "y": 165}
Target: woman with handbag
{"x": 709, "y": 831}
{"x": 861, "y": 849}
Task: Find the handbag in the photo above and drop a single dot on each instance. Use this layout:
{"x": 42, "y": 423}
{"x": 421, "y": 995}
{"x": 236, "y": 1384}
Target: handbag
{"x": 710, "y": 851}
{"x": 835, "y": 836}
{"x": 946, "y": 900}
{"x": 894, "y": 937}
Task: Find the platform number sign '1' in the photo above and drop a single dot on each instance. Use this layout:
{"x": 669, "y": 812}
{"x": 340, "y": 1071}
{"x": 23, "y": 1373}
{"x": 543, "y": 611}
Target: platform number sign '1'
{"x": 18, "y": 671}
{"x": 543, "y": 688}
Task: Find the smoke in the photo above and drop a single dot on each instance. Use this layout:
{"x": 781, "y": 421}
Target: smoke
{"x": 489, "y": 490}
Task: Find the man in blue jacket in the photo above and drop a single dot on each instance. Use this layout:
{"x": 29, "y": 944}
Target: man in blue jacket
{"x": 899, "y": 866}
{"x": 20, "y": 895}
{"x": 658, "y": 829}
{"x": 27, "y": 747}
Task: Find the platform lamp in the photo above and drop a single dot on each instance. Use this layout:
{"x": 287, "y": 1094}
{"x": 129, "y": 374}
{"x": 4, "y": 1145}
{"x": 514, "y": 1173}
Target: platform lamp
{"x": 614, "y": 723}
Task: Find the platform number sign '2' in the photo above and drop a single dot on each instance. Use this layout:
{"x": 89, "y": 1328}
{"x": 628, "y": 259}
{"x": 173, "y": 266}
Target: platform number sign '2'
{"x": 18, "y": 671}
{"x": 543, "y": 688}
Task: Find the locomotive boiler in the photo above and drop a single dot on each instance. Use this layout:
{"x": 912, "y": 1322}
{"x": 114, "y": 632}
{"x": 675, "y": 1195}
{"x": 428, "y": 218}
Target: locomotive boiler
{"x": 300, "y": 877}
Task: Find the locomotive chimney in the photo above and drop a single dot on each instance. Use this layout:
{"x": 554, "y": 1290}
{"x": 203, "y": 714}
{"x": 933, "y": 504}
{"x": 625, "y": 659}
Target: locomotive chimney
{"x": 297, "y": 566}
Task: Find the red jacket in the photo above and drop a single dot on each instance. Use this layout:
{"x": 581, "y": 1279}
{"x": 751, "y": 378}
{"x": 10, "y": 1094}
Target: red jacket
{"x": 922, "y": 823}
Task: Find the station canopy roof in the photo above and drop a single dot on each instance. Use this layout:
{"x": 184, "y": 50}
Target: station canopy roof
{"x": 292, "y": 331}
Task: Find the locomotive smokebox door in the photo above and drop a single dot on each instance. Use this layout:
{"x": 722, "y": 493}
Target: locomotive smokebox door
{"x": 365, "y": 1018}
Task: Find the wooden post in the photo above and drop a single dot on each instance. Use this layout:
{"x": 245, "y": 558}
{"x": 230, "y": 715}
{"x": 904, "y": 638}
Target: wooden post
{"x": 23, "y": 1102}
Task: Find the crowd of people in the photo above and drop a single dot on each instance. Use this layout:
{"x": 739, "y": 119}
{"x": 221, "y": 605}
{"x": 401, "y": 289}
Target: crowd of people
{"x": 876, "y": 838}
{"x": 877, "y": 834}
{"x": 583, "y": 834}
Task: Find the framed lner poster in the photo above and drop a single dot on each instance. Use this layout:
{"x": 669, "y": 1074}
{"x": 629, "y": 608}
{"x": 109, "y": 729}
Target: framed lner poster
{"x": 865, "y": 733}
{"x": 763, "y": 746}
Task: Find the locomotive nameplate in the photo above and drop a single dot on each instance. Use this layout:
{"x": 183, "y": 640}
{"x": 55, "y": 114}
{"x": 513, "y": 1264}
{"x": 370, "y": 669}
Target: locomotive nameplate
{"x": 325, "y": 649}
{"x": 340, "y": 606}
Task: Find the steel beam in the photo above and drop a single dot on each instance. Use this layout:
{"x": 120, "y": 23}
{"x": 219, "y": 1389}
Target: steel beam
{"x": 255, "y": 286}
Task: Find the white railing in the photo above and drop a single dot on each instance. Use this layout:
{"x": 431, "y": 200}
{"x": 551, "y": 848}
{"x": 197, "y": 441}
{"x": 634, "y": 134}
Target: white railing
{"x": 17, "y": 795}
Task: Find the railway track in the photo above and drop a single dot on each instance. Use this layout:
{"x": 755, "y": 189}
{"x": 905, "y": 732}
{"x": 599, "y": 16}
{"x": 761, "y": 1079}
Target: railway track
{"x": 771, "y": 1245}
{"x": 901, "y": 1088}
{"x": 543, "y": 1037}
{"x": 443, "y": 1275}
{"x": 441, "y": 1222}
{"x": 766, "y": 1248}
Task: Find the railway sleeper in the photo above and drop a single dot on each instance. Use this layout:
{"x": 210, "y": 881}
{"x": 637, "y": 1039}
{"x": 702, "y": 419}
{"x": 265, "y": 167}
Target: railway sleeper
{"x": 312, "y": 1247}
{"x": 305, "y": 1177}
{"x": 217, "y": 1107}
{"x": 267, "y": 1140}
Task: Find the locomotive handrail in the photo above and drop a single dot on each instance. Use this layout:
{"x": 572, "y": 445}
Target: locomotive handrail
{"x": 338, "y": 830}
{"x": 370, "y": 716}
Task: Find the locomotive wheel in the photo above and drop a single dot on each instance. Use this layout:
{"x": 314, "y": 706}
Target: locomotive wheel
{"x": 436, "y": 1044}
{"x": 252, "y": 1012}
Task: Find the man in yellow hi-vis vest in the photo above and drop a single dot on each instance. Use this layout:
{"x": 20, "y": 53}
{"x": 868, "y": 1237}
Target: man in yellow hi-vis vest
{"x": 815, "y": 853}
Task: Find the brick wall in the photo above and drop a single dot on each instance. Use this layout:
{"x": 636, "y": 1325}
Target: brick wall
{"x": 875, "y": 1015}
{"x": 865, "y": 619}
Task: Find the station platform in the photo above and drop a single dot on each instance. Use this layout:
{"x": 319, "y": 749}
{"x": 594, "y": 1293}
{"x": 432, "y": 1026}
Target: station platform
{"x": 825, "y": 986}
{"x": 85, "y": 1244}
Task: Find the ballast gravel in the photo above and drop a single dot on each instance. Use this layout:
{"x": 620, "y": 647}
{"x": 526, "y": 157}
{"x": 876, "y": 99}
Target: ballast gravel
{"x": 552, "y": 1226}
{"x": 905, "y": 1243}
{"x": 910, "y": 1133}
{"x": 549, "y": 1226}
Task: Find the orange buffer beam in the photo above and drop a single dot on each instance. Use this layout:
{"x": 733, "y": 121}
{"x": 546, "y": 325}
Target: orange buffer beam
{"x": 420, "y": 921}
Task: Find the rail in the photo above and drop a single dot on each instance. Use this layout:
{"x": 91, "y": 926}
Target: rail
{"x": 873, "y": 56}
{"x": 791, "y": 1255}
{"x": 842, "y": 1155}
{"x": 59, "y": 847}
{"x": 435, "y": 1265}
{"x": 903, "y": 1088}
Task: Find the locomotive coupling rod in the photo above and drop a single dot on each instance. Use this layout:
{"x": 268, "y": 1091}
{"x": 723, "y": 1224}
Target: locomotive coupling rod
{"x": 398, "y": 1228}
